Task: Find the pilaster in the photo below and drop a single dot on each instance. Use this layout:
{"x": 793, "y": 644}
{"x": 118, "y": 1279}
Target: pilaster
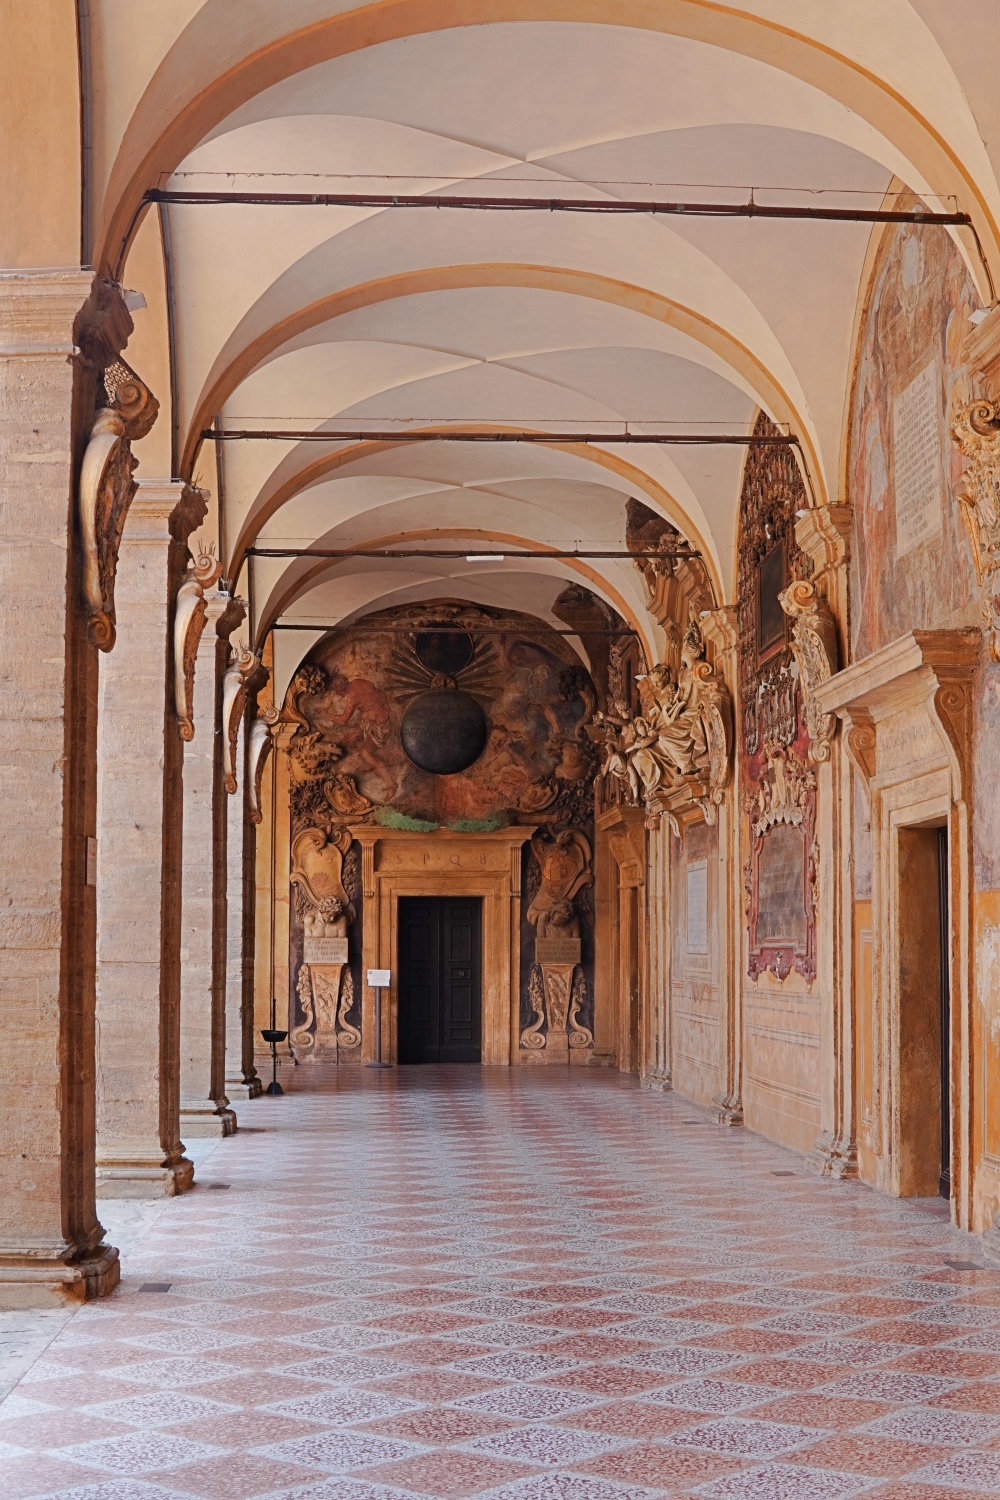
{"x": 204, "y": 1104}
{"x": 51, "y": 1247}
{"x": 242, "y": 1081}
{"x": 139, "y": 1151}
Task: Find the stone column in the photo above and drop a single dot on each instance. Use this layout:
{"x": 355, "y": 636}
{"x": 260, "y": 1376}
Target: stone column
{"x": 50, "y": 1239}
{"x": 825, "y": 534}
{"x": 139, "y": 1150}
{"x": 242, "y": 1081}
{"x": 720, "y": 627}
{"x": 204, "y": 1104}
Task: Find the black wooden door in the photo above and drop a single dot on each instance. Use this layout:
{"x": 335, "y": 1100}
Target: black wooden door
{"x": 440, "y": 979}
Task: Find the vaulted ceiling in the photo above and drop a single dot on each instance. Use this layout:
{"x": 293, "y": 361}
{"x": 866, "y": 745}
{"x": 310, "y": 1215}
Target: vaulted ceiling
{"x": 305, "y": 317}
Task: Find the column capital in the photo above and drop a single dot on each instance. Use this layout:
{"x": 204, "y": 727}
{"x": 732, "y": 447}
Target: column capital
{"x": 38, "y": 310}
{"x": 720, "y": 627}
{"x": 165, "y": 508}
{"x": 223, "y": 614}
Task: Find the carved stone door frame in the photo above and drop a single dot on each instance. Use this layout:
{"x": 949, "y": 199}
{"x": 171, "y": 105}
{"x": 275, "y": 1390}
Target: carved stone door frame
{"x": 908, "y": 711}
{"x": 396, "y": 862}
{"x": 621, "y": 979}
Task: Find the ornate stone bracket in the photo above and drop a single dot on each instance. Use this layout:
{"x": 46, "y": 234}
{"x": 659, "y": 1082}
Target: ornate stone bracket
{"x": 246, "y": 675}
{"x": 106, "y": 489}
{"x": 814, "y": 645}
{"x": 189, "y": 622}
{"x": 261, "y": 739}
{"x": 976, "y": 430}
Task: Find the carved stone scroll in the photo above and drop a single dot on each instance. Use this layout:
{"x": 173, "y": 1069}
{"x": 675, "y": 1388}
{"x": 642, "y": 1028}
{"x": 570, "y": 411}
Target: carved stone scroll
{"x": 814, "y": 645}
{"x": 245, "y": 675}
{"x": 976, "y": 430}
{"x": 189, "y": 623}
{"x": 259, "y": 746}
{"x": 106, "y": 490}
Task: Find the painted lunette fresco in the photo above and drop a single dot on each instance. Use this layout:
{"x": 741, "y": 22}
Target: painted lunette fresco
{"x": 355, "y": 700}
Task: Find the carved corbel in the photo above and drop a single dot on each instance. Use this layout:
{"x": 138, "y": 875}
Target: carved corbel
{"x": 245, "y": 675}
{"x": 106, "y": 489}
{"x": 976, "y": 430}
{"x": 260, "y": 742}
{"x": 814, "y": 645}
{"x": 189, "y": 622}
{"x": 862, "y": 744}
{"x": 824, "y": 535}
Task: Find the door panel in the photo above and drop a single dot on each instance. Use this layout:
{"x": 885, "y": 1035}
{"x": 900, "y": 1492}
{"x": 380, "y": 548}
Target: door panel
{"x": 440, "y": 979}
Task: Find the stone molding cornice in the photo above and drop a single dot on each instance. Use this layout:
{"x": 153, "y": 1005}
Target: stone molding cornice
{"x": 824, "y": 535}
{"x": 929, "y": 672}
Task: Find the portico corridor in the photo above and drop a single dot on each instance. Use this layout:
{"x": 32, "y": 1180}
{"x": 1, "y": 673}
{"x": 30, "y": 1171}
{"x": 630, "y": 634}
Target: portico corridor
{"x": 520, "y": 1285}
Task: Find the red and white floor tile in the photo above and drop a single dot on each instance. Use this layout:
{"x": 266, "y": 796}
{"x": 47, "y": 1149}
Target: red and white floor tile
{"x": 514, "y": 1285}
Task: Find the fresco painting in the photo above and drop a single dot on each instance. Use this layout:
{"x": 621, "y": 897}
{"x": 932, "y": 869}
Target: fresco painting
{"x": 915, "y": 319}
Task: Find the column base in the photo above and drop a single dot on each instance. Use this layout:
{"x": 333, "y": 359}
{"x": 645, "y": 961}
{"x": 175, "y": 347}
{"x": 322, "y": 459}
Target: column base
{"x": 242, "y": 1088}
{"x": 658, "y": 1082}
{"x": 991, "y": 1242}
{"x": 603, "y": 1060}
{"x": 144, "y": 1179}
{"x": 729, "y": 1111}
{"x": 832, "y": 1157}
{"x": 207, "y": 1120}
{"x": 31, "y": 1282}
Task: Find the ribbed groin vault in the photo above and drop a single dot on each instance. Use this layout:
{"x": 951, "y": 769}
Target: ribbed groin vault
{"x": 501, "y": 569}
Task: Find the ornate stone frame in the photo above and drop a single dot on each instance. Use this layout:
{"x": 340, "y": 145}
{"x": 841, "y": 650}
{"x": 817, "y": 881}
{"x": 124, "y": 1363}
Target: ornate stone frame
{"x": 394, "y": 863}
{"x": 907, "y": 711}
{"x": 782, "y": 959}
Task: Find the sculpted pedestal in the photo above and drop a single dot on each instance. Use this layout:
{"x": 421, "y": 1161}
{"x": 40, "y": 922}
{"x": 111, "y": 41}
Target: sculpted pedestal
{"x": 139, "y": 1152}
{"x": 204, "y": 1104}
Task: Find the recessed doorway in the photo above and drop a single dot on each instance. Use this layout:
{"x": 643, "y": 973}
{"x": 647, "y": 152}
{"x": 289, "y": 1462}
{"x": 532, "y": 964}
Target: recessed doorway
{"x": 440, "y": 979}
{"x": 924, "y": 1014}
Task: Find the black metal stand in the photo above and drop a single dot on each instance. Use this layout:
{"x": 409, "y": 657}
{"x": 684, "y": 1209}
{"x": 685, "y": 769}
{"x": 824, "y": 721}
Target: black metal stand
{"x": 273, "y": 1036}
{"x": 378, "y": 1063}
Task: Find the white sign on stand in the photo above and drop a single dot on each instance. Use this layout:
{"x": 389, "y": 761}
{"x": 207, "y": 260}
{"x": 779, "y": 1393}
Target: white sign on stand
{"x": 379, "y": 979}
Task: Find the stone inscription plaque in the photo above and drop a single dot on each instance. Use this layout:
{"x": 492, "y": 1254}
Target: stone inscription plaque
{"x": 781, "y": 911}
{"x": 916, "y": 455}
{"x": 697, "y": 907}
{"x": 325, "y": 950}
{"x": 556, "y": 950}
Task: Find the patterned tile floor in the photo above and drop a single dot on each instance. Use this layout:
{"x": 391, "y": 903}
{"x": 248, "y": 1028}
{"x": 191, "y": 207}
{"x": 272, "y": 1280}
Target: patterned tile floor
{"x": 516, "y": 1285}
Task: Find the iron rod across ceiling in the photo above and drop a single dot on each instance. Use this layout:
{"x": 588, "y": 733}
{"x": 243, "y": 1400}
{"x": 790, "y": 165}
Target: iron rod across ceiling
{"x": 584, "y": 630}
{"x": 748, "y": 210}
{"x": 382, "y": 553}
{"x": 453, "y": 435}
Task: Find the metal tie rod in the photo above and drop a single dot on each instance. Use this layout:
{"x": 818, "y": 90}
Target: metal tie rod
{"x": 381, "y": 553}
{"x": 748, "y": 210}
{"x": 453, "y": 435}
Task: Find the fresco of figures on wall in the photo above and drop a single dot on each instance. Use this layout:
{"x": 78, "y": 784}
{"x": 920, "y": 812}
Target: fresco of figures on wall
{"x": 911, "y": 564}
{"x": 443, "y": 715}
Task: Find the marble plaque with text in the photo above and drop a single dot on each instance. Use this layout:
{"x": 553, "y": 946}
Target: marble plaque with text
{"x": 781, "y": 909}
{"x": 325, "y": 950}
{"x": 557, "y": 950}
{"x": 918, "y": 476}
